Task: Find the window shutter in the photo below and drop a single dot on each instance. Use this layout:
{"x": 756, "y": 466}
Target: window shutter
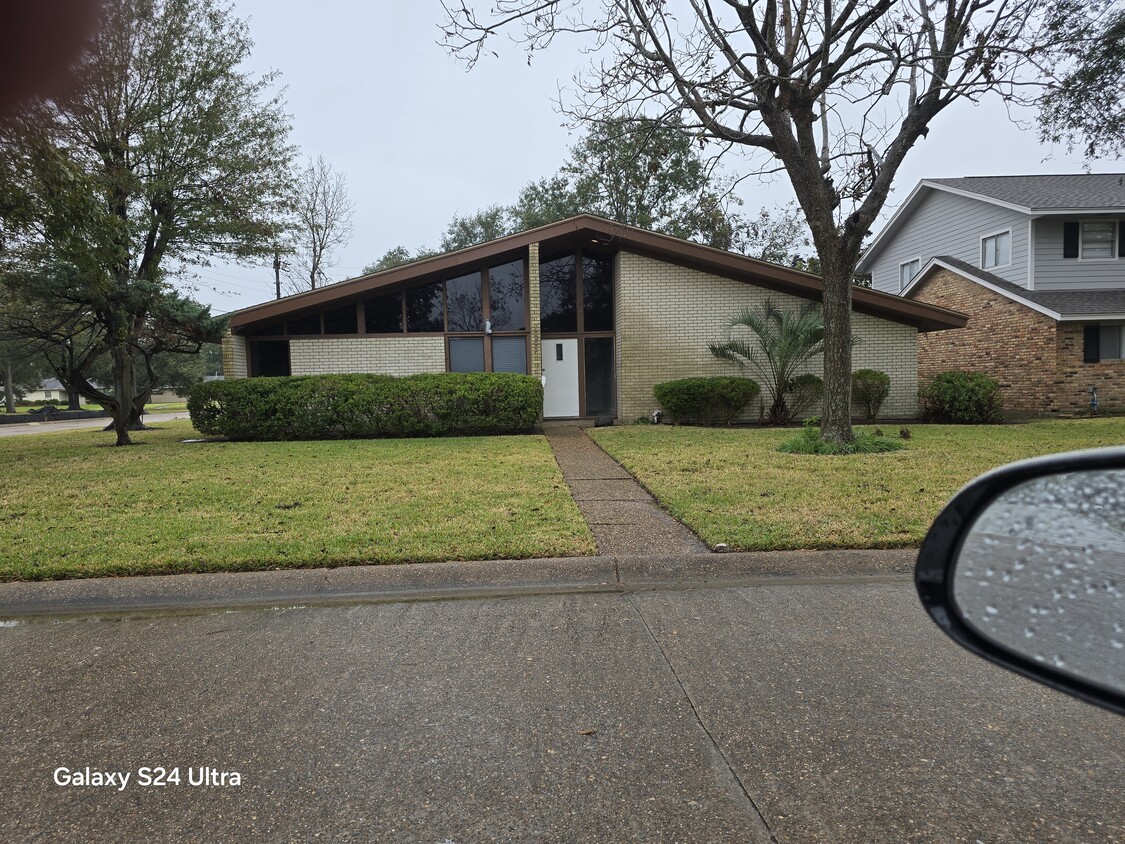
{"x": 1070, "y": 240}
{"x": 1091, "y": 343}
{"x": 1121, "y": 238}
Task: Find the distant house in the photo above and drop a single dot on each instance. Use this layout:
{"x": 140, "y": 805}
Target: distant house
{"x": 1037, "y": 263}
{"x": 602, "y": 311}
{"x": 50, "y": 389}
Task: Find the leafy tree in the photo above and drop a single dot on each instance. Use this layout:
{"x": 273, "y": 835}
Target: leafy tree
{"x": 1087, "y": 105}
{"x": 322, "y": 225}
{"x": 651, "y": 175}
{"x": 779, "y": 236}
{"x": 836, "y": 94}
{"x": 782, "y": 342}
{"x": 548, "y": 201}
{"x": 165, "y": 154}
{"x": 393, "y": 257}
{"x": 21, "y": 370}
{"x": 481, "y": 227}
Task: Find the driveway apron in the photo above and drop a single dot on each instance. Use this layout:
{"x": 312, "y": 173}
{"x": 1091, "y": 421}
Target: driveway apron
{"x": 623, "y": 517}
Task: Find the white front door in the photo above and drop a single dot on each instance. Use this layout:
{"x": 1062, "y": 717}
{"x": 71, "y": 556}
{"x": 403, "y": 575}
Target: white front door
{"x": 560, "y": 373}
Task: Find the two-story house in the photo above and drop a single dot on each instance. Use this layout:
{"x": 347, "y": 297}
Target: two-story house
{"x": 1038, "y": 265}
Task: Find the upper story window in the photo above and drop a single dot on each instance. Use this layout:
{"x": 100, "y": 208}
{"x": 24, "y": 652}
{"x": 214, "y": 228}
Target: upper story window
{"x": 907, "y": 271}
{"x": 1098, "y": 240}
{"x": 996, "y": 250}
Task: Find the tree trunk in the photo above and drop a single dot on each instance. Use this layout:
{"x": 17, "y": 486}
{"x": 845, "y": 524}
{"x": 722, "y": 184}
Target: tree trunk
{"x": 72, "y": 402}
{"x": 9, "y": 390}
{"x": 124, "y": 386}
{"x": 836, "y": 414}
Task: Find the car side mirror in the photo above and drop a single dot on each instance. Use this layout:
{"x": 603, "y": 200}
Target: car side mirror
{"x": 1026, "y": 568}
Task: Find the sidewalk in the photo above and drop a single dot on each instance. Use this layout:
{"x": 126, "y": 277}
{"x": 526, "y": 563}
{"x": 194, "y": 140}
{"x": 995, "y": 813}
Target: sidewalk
{"x": 623, "y": 517}
{"x": 447, "y": 581}
{"x": 17, "y": 429}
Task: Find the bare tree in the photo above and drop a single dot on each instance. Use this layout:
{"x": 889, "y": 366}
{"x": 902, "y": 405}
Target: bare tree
{"x": 322, "y": 225}
{"x": 834, "y": 93}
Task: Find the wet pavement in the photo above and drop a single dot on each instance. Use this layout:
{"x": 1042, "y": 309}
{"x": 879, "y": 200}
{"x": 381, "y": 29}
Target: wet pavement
{"x": 786, "y": 711}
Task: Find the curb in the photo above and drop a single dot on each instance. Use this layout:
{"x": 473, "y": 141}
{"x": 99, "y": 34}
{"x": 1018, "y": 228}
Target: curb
{"x": 443, "y": 581}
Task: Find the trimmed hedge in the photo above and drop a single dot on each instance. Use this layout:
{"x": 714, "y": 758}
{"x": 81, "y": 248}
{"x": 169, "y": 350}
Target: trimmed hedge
{"x": 870, "y": 389}
{"x": 317, "y": 407}
{"x": 706, "y": 400}
{"x": 966, "y": 398}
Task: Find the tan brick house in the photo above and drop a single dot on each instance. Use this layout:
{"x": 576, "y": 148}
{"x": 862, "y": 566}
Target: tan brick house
{"x": 602, "y": 311}
{"x": 1037, "y": 263}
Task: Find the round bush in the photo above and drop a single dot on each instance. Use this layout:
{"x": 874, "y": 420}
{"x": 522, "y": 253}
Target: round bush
{"x": 706, "y": 400}
{"x": 964, "y": 398}
{"x": 870, "y": 389}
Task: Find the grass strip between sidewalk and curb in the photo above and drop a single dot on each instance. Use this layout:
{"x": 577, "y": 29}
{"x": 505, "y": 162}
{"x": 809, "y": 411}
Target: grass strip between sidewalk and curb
{"x": 733, "y": 485}
{"x": 72, "y": 506}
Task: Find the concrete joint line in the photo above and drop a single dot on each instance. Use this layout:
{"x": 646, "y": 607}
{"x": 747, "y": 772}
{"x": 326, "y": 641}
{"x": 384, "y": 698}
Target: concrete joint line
{"x": 740, "y": 787}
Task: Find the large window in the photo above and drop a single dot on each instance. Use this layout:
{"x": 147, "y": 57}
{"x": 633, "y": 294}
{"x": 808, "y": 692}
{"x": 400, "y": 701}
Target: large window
{"x": 597, "y": 293}
{"x": 464, "y": 307}
{"x": 483, "y": 314}
{"x": 1098, "y": 240}
{"x": 341, "y": 320}
{"x": 558, "y": 299}
{"x": 996, "y": 250}
{"x": 424, "y": 309}
{"x": 506, "y": 303}
{"x": 383, "y": 314}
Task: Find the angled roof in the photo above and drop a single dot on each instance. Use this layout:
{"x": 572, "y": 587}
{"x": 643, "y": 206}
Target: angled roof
{"x": 1034, "y": 195}
{"x": 606, "y": 234}
{"x": 1048, "y": 193}
{"x": 1062, "y": 305}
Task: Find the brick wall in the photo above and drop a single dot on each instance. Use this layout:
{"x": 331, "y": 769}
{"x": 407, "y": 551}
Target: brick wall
{"x": 235, "y": 357}
{"x": 384, "y": 355}
{"x": 667, "y": 314}
{"x": 1074, "y": 378}
{"x": 535, "y": 333}
{"x": 1004, "y": 339}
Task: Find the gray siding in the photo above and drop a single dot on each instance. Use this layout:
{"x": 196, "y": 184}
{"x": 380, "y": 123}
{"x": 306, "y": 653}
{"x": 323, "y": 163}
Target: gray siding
{"x": 946, "y": 224}
{"x": 1054, "y": 272}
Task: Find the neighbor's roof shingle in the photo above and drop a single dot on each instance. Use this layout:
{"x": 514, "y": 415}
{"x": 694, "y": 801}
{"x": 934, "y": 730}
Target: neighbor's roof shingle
{"x": 1063, "y": 302}
{"x": 1075, "y": 190}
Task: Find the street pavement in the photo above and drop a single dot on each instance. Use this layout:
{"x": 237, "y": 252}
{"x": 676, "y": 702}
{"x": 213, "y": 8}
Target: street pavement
{"x": 729, "y": 708}
{"x": 18, "y": 429}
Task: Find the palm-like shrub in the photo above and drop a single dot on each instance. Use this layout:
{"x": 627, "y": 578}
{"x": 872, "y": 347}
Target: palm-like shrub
{"x": 784, "y": 340}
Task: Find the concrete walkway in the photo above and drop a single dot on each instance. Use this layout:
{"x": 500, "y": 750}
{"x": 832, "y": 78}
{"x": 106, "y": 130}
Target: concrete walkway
{"x": 623, "y": 517}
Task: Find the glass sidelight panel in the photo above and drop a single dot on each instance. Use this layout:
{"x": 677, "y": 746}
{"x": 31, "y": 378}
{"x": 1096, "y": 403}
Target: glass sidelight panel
{"x": 509, "y": 354}
{"x": 463, "y": 303}
{"x": 505, "y": 297}
{"x": 466, "y": 354}
{"x": 558, "y": 303}
{"x": 597, "y": 293}
{"x": 599, "y": 376}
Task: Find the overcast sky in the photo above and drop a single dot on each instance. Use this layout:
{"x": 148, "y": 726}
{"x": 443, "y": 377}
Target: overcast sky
{"x": 420, "y": 139}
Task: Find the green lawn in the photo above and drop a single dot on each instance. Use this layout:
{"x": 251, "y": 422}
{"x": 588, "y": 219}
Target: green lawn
{"x": 733, "y": 486}
{"x": 71, "y": 506}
